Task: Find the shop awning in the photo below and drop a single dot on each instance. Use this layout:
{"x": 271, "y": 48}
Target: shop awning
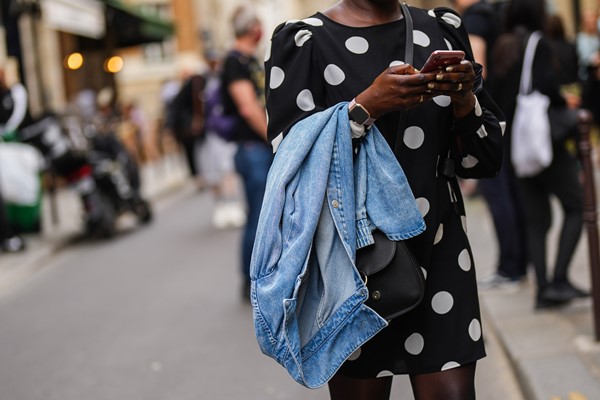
{"x": 80, "y": 17}
{"x": 132, "y": 26}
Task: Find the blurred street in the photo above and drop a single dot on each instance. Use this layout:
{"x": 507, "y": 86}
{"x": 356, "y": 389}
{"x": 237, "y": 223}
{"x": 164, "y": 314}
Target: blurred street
{"x": 156, "y": 314}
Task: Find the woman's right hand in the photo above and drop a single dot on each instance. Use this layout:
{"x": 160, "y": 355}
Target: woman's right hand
{"x": 398, "y": 88}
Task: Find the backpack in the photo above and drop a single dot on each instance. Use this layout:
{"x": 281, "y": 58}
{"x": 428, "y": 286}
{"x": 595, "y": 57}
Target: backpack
{"x": 223, "y": 125}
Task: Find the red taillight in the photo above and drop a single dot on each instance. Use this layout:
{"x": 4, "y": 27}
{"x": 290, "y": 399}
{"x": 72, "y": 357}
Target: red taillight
{"x": 80, "y": 173}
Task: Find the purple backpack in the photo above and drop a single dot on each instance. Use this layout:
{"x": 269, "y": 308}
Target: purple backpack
{"x": 216, "y": 121}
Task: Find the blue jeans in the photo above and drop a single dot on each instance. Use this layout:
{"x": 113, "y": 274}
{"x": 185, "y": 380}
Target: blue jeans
{"x": 252, "y": 162}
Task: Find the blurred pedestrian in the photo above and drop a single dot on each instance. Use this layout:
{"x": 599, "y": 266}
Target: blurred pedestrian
{"x": 566, "y": 61}
{"x": 243, "y": 83}
{"x": 13, "y": 107}
{"x": 484, "y": 22}
{"x": 186, "y": 121}
{"x": 13, "y": 112}
{"x": 561, "y": 178}
{"x": 352, "y": 53}
{"x": 588, "y": 49}
{"x": 217, "y": 153}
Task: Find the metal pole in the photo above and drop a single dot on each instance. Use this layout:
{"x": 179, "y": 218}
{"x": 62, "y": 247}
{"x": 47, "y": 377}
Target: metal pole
{"x": 590, "y": 214}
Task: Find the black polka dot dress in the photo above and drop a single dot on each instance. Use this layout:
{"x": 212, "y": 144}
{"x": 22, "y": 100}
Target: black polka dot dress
{"x": 315, "y": 63}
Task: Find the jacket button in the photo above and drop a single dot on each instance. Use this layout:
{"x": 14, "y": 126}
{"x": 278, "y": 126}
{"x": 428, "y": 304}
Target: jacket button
{"x": 376, "y": 295}
{"x": 335, "y": 204}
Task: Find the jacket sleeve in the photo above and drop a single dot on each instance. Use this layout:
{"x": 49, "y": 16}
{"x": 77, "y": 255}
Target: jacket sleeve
{"x": 477, "y": 138}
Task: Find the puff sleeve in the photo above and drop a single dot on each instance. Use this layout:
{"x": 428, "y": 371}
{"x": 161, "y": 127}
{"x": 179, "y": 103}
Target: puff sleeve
{"x": 293, "y": 89}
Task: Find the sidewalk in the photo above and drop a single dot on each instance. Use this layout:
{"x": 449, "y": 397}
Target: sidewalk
{"x": 553, "y": 352}
{"x": 159, "y": 178}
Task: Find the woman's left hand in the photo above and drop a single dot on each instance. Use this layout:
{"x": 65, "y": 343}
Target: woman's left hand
{"x": 456, "y": 81}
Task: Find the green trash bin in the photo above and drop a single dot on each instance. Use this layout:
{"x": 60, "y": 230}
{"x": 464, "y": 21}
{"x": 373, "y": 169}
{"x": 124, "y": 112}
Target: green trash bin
{"x": 26, "y": 218}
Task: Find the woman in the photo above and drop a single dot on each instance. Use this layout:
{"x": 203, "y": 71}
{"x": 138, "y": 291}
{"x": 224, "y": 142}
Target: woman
{"x": 355, "y": 50}
{"x": 561, "y": 178}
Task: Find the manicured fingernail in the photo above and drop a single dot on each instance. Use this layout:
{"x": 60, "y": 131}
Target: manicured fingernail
{"x": 449, "y": 69}
{"x": 439, "y": 77}
{"x": 431, "y": 85}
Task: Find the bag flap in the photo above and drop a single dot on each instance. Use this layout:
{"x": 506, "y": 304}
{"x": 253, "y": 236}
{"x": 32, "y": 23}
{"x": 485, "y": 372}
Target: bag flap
{"x": 372, "y": 259}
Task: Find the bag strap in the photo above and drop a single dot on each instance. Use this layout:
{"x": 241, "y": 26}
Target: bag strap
{"x": 408, "y": 59}
{"x": 526, "y": 85}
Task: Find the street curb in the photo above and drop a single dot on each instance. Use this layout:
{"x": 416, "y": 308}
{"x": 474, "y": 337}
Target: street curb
{"x": 541, "y": 348}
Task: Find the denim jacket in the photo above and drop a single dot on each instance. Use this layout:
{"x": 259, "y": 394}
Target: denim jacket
{"x": 321, "y": 204}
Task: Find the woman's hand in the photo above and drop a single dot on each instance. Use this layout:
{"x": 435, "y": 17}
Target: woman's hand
{"x": 456, "y": 81}
{"x": 398, "y": 88}
{"x": 404, "y": 87}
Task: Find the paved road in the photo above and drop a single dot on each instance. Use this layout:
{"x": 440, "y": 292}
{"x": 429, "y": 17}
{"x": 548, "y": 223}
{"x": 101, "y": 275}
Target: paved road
{"x": 156, "y": 315}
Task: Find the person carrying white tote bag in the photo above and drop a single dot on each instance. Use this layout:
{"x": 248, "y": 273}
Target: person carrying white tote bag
{"x": 531, "y": 147}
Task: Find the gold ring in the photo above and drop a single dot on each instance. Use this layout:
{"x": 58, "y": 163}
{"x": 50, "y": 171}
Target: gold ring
{"x": 459, "y": 87}
{"x": 421, "y": 99}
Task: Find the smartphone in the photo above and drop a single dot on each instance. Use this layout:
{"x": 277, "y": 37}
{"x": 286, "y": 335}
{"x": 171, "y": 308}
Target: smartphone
{"x": 441, "y": 58}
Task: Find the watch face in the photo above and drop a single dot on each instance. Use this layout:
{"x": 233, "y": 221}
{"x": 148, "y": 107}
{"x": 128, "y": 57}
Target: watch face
{"x": 359, "y": 114}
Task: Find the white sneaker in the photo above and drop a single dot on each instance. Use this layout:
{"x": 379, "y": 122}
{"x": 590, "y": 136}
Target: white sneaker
{"x": 236, "y": 215}
{"x": 228, "y": 215}
{"x": 219, "y": 217}
{"x": 496, "y": 281}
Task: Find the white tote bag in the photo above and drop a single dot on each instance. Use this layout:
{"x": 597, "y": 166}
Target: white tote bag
{"x": 531, "y": 146}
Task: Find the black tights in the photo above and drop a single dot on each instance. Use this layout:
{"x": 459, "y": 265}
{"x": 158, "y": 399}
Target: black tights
{"x": 453, "y": 384}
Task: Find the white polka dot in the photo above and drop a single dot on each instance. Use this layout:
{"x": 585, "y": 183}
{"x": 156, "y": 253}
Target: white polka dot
{"x": 448, "y": 44}
{"x": 463, "y": 219}
{"x": 292, "y": 21}
{"x": 334, "y": 75}
{"x": 277, "y": 77}
{"x": 268, "y": 51}
{"x": 469, "y": 161}
{"x": 357, "y": 45}
{"x": 313, "y": 21}
{"x": 302, "y": 37}
{"x": 395, "y": 63}
{"x": 442, "y": 101}
{"x": 442, "y": 302}
{"x": 423, "y": 205}
{"x": 450, "y": 365}
{"x": 276, "y": 142}
{"x": 503, "y": 127}
{"x": 424, "y": 272}
{"x": 355, "y": 355}
{"x": 414, "y": 344}
{"x": 478, "y": 110}
{"x": 475, "y": 330}
{"x": 464, "y": 260}
{"x": 414, "y": 137}
{"x": 385, "y": 373}
{"x": 439, "y": 234}
{"x": 482, "y": 132}
{"x": 421, "y": 38}
{"x": 305, "y": 100}
{"x": 452, "y": 19}
{"x": 431, "y": 13}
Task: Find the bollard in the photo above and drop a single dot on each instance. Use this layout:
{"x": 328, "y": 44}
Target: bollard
{"x": 590, "y": 214}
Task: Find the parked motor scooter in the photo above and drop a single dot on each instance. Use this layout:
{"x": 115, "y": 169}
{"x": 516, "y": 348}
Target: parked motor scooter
{"x": 97, "y": 166}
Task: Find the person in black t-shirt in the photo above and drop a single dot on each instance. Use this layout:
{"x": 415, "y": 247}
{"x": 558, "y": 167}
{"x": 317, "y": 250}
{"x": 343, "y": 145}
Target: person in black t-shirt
{"x": 243, "y": 96}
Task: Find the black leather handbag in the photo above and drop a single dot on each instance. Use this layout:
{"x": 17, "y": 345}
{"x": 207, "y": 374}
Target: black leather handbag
{"x": 394, "y": 278}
